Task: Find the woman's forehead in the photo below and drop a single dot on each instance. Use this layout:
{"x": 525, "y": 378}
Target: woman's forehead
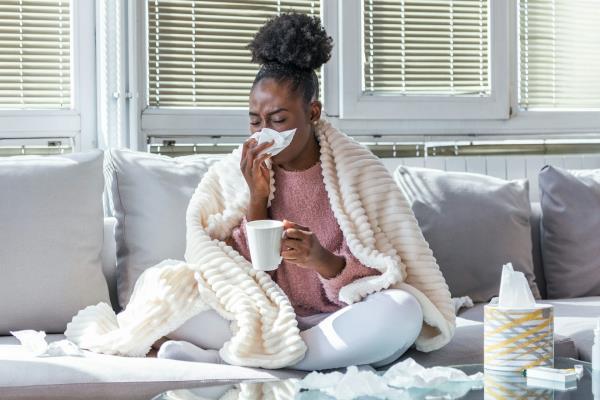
{"x": 270, "y": 94}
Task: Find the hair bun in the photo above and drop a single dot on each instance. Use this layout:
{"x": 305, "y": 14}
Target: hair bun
{"x": 292, "y": 39}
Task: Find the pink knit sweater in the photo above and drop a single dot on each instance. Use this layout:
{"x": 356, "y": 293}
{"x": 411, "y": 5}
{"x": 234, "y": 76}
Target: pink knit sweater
{"x": 300, "y": 197}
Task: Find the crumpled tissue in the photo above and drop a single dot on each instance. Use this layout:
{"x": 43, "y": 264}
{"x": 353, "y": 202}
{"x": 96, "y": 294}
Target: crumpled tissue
{"x": 405, "y": 380}
{"x": 35, "y": 342}
{"x": 281, "y": 140}
{"x": 461, "y": 302}
{"x": 514, "y": 289}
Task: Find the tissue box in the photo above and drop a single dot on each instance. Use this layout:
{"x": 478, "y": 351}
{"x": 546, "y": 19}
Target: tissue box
{"x": 518, "y": 338}
{"x": 512, "y": 386}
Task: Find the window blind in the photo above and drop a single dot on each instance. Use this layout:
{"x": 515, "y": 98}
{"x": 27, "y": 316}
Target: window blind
{"x": 35, "y": 146}
{"x": 35, "y": 60}
{"x": 559, "y": 54}
{"x": 426, "y": 47}
{"x": 197, "y": 54}
{"x": 23, "y": 150}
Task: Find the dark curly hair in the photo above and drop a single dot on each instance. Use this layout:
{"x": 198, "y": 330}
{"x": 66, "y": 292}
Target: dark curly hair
{"x": 290, "y": 47}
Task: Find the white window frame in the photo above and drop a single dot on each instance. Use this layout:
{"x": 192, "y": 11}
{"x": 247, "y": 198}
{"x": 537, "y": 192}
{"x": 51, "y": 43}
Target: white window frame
{"x": 356, "y": 104}
{"x": 503, "y": 116}
{"x": 79, "y": 122}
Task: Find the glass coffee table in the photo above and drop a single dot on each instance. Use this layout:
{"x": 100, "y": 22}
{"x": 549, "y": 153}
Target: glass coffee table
{"x": 494, "y": 386}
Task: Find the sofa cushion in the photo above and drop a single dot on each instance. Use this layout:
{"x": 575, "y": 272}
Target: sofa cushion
{"x": 570, "y": 226}
{"x": 109, "y": 259}
{"x": 110, "y": 377}
{"x": 50, "y": 239}
{"x": 574, "y": 320}
{"x": 536, "y": 241}
{"x": 149, "y": 195}
{"x": 474, "y": 224}
{"x": 466, "y": 347}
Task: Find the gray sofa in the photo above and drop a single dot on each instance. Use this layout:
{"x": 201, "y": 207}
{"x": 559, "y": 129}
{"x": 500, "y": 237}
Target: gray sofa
{"x": 574, "y": 321}
{"x": 104, "y": 376}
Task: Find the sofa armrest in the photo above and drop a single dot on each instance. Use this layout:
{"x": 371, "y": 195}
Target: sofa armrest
{"x": 109, "y": 259}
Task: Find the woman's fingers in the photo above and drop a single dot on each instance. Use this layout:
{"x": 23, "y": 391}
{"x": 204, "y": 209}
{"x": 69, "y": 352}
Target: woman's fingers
{"x": 254, "y": 150}
{"x": 290, "y": 224}
{"x": 291, "y": 244}
{"x": 247, "y": 144}
{"x": 289, "y": 255}
{"x": 297, "y": 234}
{"x": 245, "y": 147}
{"x": 250, "y": 150}
{"x": 252, "y": 153}
{"x": 258, "y": 162}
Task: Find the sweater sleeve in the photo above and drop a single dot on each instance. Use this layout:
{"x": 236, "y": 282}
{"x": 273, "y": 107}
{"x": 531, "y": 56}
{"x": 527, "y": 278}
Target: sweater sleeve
{"x": 238, "y": 239}
{"x": 352, "y": 271}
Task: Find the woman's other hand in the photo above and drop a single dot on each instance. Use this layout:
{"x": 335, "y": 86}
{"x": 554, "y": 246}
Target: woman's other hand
{"x": 301, "y": 247}
{"x": 254, "y": 169}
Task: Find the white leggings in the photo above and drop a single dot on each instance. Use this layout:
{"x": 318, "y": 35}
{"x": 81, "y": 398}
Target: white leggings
{"x": 375, "y": 331}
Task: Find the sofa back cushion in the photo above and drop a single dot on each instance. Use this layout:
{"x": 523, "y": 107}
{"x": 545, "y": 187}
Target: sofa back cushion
{"x": 474, "y": 224}
{"x": 149, "y": 195}
{"x": 51, "y": 230}
{"x": 536, "y": 241}
{"x": 570, "y": 231}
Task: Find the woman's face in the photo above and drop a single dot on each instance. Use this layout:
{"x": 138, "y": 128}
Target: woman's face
{"x": 274, "y": 105}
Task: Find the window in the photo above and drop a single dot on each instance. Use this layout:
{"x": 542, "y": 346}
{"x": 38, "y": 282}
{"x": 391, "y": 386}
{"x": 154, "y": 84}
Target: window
{"x": 450, "y": 54}
{"x": 198, "y": 73}
{"x": 559, "y": 54}
{"x": 197, "y": 54}
{"x": 417, "y": 47}
{"x": 47, "y": 74}
{"x": 35, "y": 70}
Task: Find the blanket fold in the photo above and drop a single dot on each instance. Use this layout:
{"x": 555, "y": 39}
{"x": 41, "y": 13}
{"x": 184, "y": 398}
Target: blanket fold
{"x": 376, "y": 221}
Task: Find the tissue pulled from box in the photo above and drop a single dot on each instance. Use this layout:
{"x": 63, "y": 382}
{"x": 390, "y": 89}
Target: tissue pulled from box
{"x": 281, "y": 140}
{"x": 514, "y": 289}
{"x": 35, "y": 342}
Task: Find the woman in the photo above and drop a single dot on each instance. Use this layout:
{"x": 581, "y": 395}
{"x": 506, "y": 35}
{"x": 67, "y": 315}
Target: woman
{"x": 316, "y": 259}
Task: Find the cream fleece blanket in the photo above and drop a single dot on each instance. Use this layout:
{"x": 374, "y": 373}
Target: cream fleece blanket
{"x": 376, "y": 221}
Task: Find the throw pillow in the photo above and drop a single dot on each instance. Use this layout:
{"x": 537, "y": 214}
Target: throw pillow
{"x": 474, "y": 224}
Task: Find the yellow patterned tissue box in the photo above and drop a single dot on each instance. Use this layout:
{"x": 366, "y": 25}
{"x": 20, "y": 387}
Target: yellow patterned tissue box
{"x": 501, "y": 386}
{"x": 516, "y": 339}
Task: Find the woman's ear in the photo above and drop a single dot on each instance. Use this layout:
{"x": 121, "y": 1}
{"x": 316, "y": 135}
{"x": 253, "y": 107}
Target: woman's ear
{"x": 315, "y": 110}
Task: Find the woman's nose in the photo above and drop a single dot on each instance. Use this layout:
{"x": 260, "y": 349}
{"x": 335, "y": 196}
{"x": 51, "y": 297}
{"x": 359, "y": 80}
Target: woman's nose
{"x": 257, "y": 127}
{"x": 267, "y": 125}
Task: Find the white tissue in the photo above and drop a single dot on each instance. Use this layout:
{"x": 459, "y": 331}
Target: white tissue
{"x": 35, "y": 342}
{"x": 409, "y": 374}
{"x": 461, "y": 302}
{"x": 514, "y": 289}
{"x": 353, "y": 384}
{"x": 405, "y": 380}
{"x": 281, "y": 140}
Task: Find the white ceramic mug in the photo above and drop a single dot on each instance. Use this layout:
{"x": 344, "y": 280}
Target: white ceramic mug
{"x": 264, "y": 241}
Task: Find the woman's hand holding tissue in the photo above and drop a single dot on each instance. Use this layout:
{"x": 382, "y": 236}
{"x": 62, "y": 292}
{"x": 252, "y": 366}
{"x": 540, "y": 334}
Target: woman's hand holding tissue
{"x": 301, "y": 247}
{"x": 256, "y": 175}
